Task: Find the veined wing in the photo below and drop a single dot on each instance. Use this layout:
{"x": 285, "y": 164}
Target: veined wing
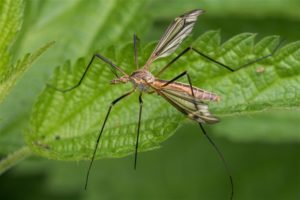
{"x": 193, "y": 107}
{"x": 183, "y": 90}
{"x": 177, "y": 31}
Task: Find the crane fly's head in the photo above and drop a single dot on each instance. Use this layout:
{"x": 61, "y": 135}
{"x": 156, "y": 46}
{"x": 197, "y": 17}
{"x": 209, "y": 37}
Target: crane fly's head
{"x": 122, "y": 79}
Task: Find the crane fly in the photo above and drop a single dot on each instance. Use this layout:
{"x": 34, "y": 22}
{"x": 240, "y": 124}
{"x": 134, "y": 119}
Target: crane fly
{"x": 189, "y": 100}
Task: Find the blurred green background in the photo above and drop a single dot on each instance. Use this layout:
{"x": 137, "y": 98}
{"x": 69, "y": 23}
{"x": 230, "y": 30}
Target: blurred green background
{"x": 265, "y": 164}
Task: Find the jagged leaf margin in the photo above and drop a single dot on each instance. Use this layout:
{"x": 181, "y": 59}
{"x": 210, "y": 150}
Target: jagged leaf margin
{"x": 10, "y": 25}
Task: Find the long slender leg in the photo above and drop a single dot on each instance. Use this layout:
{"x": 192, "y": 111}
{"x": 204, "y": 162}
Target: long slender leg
{"x": 100, "y": 133}
{"x": 221, "y": 157}
{"x": 204, "y": 132}
{"x": 175, "y": 78}
{"x": 112, "y": 65}
{"x": 135, "y": 48}
{"x": 213, "y": 143}
{"x": 263, "y": 57}
{"x": 215, "y": 61}
{"x": 138, "y": 131}
{"x": 183, "y": 53}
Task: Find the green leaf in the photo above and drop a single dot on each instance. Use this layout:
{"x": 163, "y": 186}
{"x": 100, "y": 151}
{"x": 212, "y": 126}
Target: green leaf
{"x": 11, "y": 22}
{"x": 11, "y": 17}
{"x": 65, "y": 125}
{"x": 14, "y": 73}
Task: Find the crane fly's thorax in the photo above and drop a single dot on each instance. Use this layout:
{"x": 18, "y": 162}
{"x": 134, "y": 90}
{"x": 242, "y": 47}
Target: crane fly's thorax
{"x": 141, "y": 79}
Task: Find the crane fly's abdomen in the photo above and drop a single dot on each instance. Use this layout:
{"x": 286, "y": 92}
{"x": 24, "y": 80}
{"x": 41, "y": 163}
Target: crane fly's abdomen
{"x": 183, "y": 88}
{"x": 182, "y": 98}
{"x": 201, "y": 94}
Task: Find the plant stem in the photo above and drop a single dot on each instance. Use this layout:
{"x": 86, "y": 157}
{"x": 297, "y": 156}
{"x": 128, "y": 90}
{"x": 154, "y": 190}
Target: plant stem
{"x": 14, "y": 158}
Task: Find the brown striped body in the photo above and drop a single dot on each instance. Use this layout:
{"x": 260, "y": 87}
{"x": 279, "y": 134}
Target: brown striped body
{"x": 185, "y": 88}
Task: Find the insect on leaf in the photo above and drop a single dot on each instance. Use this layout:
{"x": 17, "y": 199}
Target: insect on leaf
{"x": 64, "y": 126}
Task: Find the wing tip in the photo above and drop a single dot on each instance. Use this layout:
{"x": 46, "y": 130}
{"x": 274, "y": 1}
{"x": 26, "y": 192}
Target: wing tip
{"x": 196, "y": 12}
{"x": 204, "y": 119}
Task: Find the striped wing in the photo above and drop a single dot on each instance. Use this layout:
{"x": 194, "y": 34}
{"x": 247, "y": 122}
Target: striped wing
{"x": 192, "y": 107}
{"x": 177, "y": 31}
